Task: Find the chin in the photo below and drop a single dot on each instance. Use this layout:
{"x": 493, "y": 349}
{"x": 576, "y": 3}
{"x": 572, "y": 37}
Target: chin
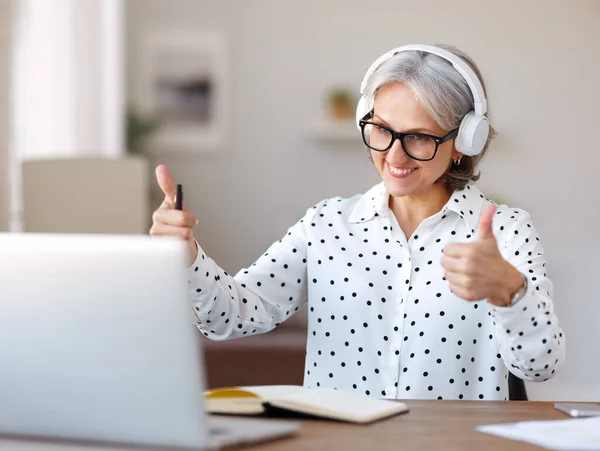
{"x": 397, "y": 188}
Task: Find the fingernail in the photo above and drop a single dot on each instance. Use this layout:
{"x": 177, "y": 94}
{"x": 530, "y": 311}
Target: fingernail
{"x": 196, "y": 223}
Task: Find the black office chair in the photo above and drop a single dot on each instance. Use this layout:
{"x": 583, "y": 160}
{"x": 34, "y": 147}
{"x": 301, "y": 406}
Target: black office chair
{"x": 516, "y": 388}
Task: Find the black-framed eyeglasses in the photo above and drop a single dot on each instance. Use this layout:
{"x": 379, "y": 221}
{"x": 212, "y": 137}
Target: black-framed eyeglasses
{"x": 418, "y": 146}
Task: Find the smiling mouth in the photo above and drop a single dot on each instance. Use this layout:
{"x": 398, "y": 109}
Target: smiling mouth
{"x": 400, "y": 172}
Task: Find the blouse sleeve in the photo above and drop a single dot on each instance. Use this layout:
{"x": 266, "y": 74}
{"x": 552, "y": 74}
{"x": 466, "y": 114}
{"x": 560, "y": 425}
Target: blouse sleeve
{"x": 256, "y": 299}
{"x": 532, "y": 344}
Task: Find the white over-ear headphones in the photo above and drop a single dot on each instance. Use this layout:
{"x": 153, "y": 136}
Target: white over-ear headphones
{"x": 474, "y": 127}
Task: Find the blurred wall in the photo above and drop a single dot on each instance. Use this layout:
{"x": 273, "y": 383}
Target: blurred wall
{"x": 540, "y": 60}
{"x": 4, "y": 106}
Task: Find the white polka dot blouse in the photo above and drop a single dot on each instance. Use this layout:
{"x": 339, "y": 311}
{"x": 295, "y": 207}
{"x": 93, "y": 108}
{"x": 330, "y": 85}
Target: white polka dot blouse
{"x": 382, "y": 320}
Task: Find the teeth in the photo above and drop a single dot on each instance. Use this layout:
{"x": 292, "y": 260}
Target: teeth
{"x": 401, "y": 171}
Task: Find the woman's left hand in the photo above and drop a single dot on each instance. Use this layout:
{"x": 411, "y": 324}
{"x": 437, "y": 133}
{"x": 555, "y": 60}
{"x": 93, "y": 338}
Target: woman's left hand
{"x": 477, "y": 270}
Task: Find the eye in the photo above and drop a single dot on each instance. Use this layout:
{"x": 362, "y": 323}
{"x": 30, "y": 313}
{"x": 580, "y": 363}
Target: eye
{"x": 380, "y": 130}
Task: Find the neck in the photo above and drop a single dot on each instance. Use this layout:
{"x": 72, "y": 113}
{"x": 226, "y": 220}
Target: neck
{"x": 411, "y": 211}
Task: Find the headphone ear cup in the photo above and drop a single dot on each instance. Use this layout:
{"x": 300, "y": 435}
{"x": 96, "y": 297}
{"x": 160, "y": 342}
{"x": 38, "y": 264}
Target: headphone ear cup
{"x": 472, "y": 134}
{"x": 361, "y": 110}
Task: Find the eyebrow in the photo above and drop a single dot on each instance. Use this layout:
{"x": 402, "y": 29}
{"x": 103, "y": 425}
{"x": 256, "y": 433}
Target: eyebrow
{"x": 424, "y": 131}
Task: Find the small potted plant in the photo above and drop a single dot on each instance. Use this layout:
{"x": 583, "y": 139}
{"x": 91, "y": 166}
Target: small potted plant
{"x": 341, "y": 103}
{"x": 137, "y": 129}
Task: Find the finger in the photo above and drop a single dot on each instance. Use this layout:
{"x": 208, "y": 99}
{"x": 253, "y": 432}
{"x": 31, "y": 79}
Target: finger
{"x": 174, "y": 217}
{"x": 458, "y": 279}
{"x": 169, "y": 204}
{"x": 159, "y": 229}
{"x": 485, "y": 222}
{"x": 457, "y": 250}
{"x": 452, "y": 263}
{"x": 462, "y": 293}
{"x": 165, "y": 182}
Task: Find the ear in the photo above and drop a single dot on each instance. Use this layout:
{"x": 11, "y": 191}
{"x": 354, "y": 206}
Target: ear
{"x": 456, "y": 155}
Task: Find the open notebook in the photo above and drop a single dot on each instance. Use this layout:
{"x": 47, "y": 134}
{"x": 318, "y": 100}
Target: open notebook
{"x": 292, "y": 400}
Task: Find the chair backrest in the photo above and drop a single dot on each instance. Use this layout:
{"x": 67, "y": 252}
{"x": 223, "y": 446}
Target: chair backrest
{"x": 516, "y": 388}
{"x": 86, "y": 195}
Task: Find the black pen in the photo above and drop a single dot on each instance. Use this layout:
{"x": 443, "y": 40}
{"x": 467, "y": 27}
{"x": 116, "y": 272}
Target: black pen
{"x": 179, "y": 198}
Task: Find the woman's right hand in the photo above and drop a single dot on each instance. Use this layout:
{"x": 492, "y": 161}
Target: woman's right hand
{"x": 166, "y": 220}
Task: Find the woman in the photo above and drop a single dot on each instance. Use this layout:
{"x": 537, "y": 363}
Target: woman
{"x": 419, "y": 288}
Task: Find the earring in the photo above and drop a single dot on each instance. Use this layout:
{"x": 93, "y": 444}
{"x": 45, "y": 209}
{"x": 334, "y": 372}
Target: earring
{"x": 456, "y": 162}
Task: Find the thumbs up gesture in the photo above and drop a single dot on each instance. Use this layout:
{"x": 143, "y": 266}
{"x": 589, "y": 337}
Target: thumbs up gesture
{"x": 477, "y": 270}
{"x": 166, "y": 220}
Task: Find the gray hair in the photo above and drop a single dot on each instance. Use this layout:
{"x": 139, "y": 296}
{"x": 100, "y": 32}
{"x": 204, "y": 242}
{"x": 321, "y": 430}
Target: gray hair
{"x": 443, "y": 92}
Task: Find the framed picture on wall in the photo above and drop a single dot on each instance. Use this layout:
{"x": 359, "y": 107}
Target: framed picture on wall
{"x": 183, "y": 87}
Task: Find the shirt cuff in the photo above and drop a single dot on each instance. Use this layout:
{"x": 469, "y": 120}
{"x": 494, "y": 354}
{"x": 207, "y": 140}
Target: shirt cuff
{"x": 200, "y": 265}
{"x": 515, "y": 314}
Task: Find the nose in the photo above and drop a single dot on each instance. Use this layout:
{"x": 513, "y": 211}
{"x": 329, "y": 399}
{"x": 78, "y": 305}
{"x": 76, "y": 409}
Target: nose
{"x": 396, "y": 153}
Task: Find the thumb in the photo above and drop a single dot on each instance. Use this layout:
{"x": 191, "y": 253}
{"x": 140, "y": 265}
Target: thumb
{"x": 165, "y": 182}
{"x": 485, "y": 222}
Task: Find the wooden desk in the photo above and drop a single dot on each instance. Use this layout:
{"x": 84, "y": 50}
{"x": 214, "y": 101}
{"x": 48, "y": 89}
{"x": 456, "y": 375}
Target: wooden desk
{"x": 430, "y": 425}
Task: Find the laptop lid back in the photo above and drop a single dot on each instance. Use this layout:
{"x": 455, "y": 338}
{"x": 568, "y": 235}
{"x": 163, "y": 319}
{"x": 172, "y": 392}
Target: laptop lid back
{"x": 98, "y": 342}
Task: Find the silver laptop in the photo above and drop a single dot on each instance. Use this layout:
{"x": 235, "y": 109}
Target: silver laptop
{"x": 98, "y": 344}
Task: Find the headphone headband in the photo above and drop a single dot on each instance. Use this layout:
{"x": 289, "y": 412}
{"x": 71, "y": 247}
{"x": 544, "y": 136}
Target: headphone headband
{"x": 474, "y": 128}
{"x": 480, "y": 102}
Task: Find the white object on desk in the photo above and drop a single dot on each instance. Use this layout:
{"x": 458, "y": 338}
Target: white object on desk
{"x": 563, "y": 435}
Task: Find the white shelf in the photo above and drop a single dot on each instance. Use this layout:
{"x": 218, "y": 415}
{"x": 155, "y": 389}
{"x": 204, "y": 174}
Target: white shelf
{"x": 336, "y": 132}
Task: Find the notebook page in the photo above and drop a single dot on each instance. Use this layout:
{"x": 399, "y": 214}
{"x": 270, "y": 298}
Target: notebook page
{"x": 273, "y": 391}
{"x": 346, "y": 404}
